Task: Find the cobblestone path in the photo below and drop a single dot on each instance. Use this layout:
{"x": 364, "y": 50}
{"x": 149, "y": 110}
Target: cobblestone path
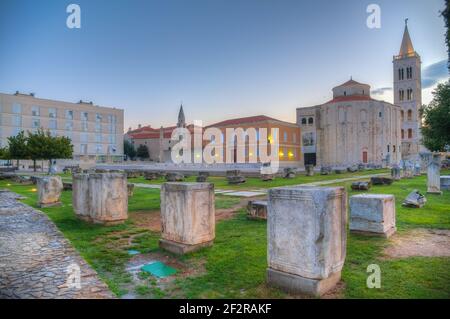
{"x": 36, "y": 261}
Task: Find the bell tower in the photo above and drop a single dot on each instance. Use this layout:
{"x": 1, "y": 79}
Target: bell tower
{"x": 408, "y": 94}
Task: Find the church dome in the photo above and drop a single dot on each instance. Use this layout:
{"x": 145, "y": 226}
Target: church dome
{"x": 351, "y": 88}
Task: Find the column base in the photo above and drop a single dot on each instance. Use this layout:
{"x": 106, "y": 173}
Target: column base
{"x": 44, "y": 205}
{"x": 435, "y": 192}
{"x": 386, "y": 234}
{"x": 180, "y": 248}
{"x": 297, "y": 284}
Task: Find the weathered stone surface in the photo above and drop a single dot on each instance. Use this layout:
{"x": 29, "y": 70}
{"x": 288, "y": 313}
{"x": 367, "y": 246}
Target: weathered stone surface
{"x": 24, "y": 180}
{"x": 151, "y": 176}
{"x": 309, "y": 170}
{"x": 417, "y": 169}
{"x": 340, "y": 170}
{"x": 445, "y": 182}
{"x": 408, "y": 169}
{"x": 376, "y": 180}
{"x": 130, "y": 189}
{"x": 396, "y": 172}
{"x": 325, "y": 170}
{"x": 174, "y": 177}
{"x": 433, "y": 175}
{"x": 352, "y": 169}
{"x": 306, "y": 238}
{"x": 361, "y": 186}
{"x": 289, "y": 172}
{"x": 49, "y": 191}
{"x": 267, "y": 177}
{"x": 36, "y": 258}
{"x": 108, "y": 197}
{"x": 415, "y": 200}
{"x": 257, "y": 209}
{"x": 80, "y": 195}
{"x": 235, "y": 177}
{"x": 132, "y": 173}
{"x": 187, "y": 216}
{"x": 373, "y": 214}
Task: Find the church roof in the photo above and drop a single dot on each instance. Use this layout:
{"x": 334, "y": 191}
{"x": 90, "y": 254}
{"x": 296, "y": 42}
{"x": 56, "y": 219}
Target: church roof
{"x": 407, "y": 47}
{"x": 350, "y": 83}
{"x": 245, "y": 120}
{"x": 345, "y": 98}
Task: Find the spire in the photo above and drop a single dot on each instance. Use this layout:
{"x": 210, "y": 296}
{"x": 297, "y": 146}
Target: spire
{"x": 407, "y": 47}
{"x": 181, "y": 119}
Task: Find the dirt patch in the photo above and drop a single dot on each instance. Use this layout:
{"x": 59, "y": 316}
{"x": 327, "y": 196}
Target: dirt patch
{"x": 419, "y": 242}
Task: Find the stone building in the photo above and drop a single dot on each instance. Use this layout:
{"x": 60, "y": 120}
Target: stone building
{"x": 408, "y": 95}
{"x": 352, "y": 128}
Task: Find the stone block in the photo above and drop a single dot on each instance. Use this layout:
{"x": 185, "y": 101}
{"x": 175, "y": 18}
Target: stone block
{"x": 361, "y": 186}
{"x": 433, "y": 175}
{"x": 174, "y": 177}
{"x": 445, "y": 182}
{"x": 130, "y": 189}
{"x": 414, "y": 199}
{"x": 49, "y": 191}
{"x": 80, "y": 195}
{"x": 376, "y": 180}
{"x": 373, "y": 214}
{"x": 309, "y": 170}
{"x": 108, "y": 197}
{"x": 267, "y": 177}
{"x": 187, "y": 216}
{"x": 257, "y": 209}
{"x": 306, "y": 238}
{"x": 202, "y": 177}
{"x": 396, "y": 172}
{"x": 289, "y": 172}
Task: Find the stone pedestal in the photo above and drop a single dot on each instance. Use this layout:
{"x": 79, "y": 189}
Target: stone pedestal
{"x": 445, "y": 182}
{"x": 372, "y": 214}
{"x": 130, "y": 190}
{"x": 309, "y": 170}
{"x": 306, "y": 238}
{"x": 257, "y": 209}
{"x": 80, "y": 195}
{"x": 49, "y": 191}
{"x": 108, "y": 197}
{"x": 187, "y": 216}
{"x": 396, "y": 172}
{"x": 433, "y": 175}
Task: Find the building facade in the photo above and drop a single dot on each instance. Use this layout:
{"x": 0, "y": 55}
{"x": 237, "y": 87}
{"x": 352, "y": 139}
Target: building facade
{"x": 96, "y": 132}
{"x": 350, "y": 129}
{"x": 408, "y": 95}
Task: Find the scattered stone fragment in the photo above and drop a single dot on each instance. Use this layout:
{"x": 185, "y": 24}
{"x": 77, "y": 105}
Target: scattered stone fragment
{"x": 415, "y": 200}
{"x": 257, "y": 209}
{"x": 361, "y": 186}
{"x": 377, "y": 180}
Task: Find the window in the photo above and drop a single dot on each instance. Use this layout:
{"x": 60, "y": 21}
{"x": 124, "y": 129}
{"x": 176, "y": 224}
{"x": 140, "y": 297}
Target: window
{"x": 98, "y": 138}
{"x": 83, "y": 149}
{"x": 84, "y": 126}
{"x": 36, "y": 123}
{"x": 35, "y": 110}
{"x": 98, "y": 117}
{"x": 83, "y": 137}
{"x": 310, "y": 120}
{"x": 401, "y": 74}
{"x": 285, "y": 136}
{"x": 409, "y": 115}
{"x": 69, "y": 126}
{"x": 402, "y": 115}
{"x": 84, "y": 116}
{"x": 52, "y": 112}
{"x": 401, "y": 95}
{"x": 304, "y": 121}
{"x": 403, "y": 133}
{"x": 98, "y": 127}
{"x": 98, "y": 148}
{"x": 409, "y": 133}
{"x": 393, "y": 148}
{"x": 69, "y": 114}
{"x": 388, "y": 148}
{"x": 294, "y": 137}
{"x": 17, "y": 108}
{"x": 52, "y": 124}
{"x": 409, "y": 72}
{"x": 409, "y": 94}
{"x": 16, "y": 120}
{"x": 345, "y": 93}
{"x": 112, "y": 139}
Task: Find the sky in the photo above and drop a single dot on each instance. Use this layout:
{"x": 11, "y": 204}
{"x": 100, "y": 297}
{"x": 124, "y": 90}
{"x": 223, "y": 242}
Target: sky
{"x": 221, "y": 58}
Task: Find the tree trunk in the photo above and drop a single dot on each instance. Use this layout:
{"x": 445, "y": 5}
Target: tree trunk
{"x": 17, "y": 164}
{"x": 34, "y": 165}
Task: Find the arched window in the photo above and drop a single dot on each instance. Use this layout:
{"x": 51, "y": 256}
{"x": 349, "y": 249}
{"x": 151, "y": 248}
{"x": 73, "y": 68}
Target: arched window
{"x": 304, "y": 121}
{"x": 401, "y": 94}
{"x": 409, "y": 94}
{"x": 410, "y": 133}
{"x": 401, "y": 74}
{"x": 409, "y": 115}
{"x": 310, "y": 120}
{"x": 403, "y": 133}
{"x": 402, "y": 115}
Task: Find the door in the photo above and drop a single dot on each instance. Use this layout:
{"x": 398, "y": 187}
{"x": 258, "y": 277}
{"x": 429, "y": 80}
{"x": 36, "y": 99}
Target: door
{"x": 364, "y": 156}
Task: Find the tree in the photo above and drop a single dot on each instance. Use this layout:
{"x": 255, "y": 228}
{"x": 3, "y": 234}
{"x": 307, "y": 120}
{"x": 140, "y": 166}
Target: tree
{"x": 436, "y": 125}
{"x": 142, "y": 152}
{"x": 128, "y": 149}
{"x": 43, "y": 146}
{"x": 17, "y": 146}
{"x": 446, "y": 15}
{"x": 4, "y": 153}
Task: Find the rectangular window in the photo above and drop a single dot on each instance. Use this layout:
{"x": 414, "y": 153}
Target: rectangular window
{"x": 16, "y": 120}
{"x": 52, "y": 113}
{"x": 35, "y": 123}
{"x": 112, "y": 139}
{"x": 98, "y": 117}
{"x": 294, "y": 137}
{"x": 98, "y": 127}
{"x": 35, "y": 110}
{"x": 84, "y": 126}
{"x": 16, "y": 130}
{"x": 98, "y": 138}
{"x": 83, "y": 137}
{"x": 98, "y": 148}
{"x": 84, "y": 116}
{"x": 285, "y": 136}
{"x": 17, "y": 108}
{"x": 83, "y": 149}
{"x": 69, "y": 126}
{"x": 69, "y": 114}
{"x": 52, "y": 124}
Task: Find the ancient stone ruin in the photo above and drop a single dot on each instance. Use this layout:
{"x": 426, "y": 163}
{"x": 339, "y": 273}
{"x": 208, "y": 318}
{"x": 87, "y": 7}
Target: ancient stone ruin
{"x": 174, "y": 177}
{"x": 306, "y": 238}
{"x": 396, "y": 172}
{"x": 445, "y": 182}
{"x": 49, "y": 191}
{"x": 325, "y": 170}
{"x": 289, "y": 172}
{"x": 187, "y": 216}
{"x": 101, "y": 196}
{"x": 433, "y": 175}
{"x": 372, "y": 214}
{"x": 361, "y": 186}
{"x": 235, "y": 177}
{"x": 202, "y": 177}
{"x": 309, "y": 170}
{"x": 130, "y": 189}
{"x": 267, "y": 177}
{"x": 415, "y": 200}
{"x": 257, "y": 209}
{"x": 376, "y": 180}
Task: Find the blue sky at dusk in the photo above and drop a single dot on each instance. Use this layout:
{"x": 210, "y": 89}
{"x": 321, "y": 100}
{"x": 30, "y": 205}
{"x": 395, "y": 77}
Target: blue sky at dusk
{"x": 223, "y": 59}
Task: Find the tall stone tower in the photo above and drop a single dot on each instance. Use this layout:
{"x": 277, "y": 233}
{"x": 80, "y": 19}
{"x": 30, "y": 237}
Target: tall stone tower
{"x": 408, "y": 95}
{"x": 181, "y": 119}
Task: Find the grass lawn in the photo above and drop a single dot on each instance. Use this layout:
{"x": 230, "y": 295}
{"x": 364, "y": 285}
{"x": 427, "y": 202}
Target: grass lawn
{"x": 235, "y": 267}
{"x": 253, "y": 182}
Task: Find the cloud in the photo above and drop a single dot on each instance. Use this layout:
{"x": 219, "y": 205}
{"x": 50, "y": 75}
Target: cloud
{"x": 433, "y": 73}
{"x": 380, "y": 91}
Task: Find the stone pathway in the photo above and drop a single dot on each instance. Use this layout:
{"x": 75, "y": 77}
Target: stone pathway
{"x": 36, "y": 261}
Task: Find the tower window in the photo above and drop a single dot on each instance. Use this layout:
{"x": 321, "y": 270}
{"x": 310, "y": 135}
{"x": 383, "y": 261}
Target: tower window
{"x": 409, "y": 72}
{"x": 403, "y": 133}
{"x": 401, "y": 94}
{"x": 304, "y": 121}
{"x": 409, "y": 94}
{"x": 393, "y": 148}
{"x": 310, "y": 120}
{"x": 409, "y": 133}
{"x": 402, "y": 115}
{"x": 409, "y": 115}
{"x": 388, "y": 148}
{"x": 401, "y": 74}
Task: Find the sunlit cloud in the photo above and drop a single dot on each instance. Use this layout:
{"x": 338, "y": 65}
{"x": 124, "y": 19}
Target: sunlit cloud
{"x": 433, "y": 73}
{"x": 381, "y": 91}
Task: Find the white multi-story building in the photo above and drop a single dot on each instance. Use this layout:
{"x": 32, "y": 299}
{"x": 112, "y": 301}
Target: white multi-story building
{"x": 96, "y": 132}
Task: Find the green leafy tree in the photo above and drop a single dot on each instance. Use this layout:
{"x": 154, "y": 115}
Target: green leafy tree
{"x": 142, "y": 152}
{"x": 17, "y": 147}
{"x": 4, "y": 153}
{"x": 43, "y": 146}
{"x": 446, "y": 15}
{"x": 128, "y": 149}
{"x": 436, "y": 121}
